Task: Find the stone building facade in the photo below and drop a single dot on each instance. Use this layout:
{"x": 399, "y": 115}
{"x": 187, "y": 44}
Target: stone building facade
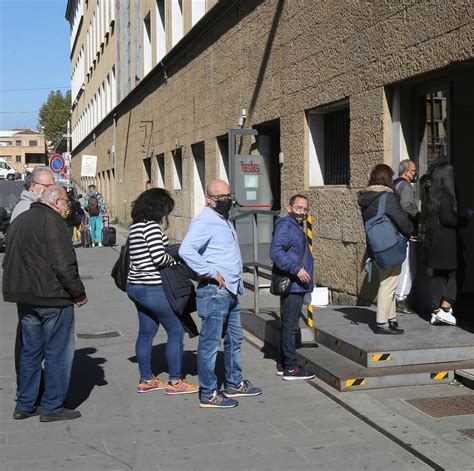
{"x": 336, "y": 86}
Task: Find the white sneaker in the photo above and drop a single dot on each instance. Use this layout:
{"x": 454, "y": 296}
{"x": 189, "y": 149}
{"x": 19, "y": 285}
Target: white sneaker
{"x": 434, "y": 320}
{"x": 93, "y": 244}
{"x": 446, "y": 316}
{"x": 100, "y": 244}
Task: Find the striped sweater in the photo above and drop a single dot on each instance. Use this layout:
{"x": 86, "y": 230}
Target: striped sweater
{"x": 147, "y": 253}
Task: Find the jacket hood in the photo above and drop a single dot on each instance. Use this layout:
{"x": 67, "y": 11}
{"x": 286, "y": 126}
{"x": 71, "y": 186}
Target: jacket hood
{"x": 29, "y": 196}
{"x": 369, "y": 193}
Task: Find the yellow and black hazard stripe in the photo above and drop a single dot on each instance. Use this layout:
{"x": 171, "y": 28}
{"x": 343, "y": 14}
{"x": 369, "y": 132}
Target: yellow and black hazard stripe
{"x": 354, "y": 382}
{"x": 381, "y": 357}
{"x": 439, "y": 375}
{"x": 309, "y": 235}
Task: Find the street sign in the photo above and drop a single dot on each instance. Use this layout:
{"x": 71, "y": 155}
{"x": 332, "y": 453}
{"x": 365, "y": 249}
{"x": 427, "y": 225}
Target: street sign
{"x": 56, "y": 163}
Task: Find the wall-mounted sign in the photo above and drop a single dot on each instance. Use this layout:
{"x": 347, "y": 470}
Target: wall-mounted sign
{"x": 89, "y": 166}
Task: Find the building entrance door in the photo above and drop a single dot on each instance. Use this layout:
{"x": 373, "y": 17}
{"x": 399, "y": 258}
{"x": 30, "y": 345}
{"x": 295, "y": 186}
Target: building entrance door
{"x": 251, "y": 177}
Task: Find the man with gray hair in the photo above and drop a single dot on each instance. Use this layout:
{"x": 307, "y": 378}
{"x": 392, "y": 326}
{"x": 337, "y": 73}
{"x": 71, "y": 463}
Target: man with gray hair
{"x": 40, "y": 275}
{"x": 403, "y": 185}
{"x": 35, "y": 183}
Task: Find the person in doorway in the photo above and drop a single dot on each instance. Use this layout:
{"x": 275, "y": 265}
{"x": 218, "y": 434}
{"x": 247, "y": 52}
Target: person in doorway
{"x": 403, "y": 185}
{"x": 439, "y": 217}
{"x": 148, "y": 256}
{"x": 40, "y": 257}
{"x": 211, "y": 249}
{"x": 95, "y": 206}
{"x": 381, "y": 181}
{"x": 35, "y": 183}
{"x": 290, "y": 252}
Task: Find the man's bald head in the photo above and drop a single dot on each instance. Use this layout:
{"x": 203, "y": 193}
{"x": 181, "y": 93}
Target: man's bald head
{"x": 217, "y": 187}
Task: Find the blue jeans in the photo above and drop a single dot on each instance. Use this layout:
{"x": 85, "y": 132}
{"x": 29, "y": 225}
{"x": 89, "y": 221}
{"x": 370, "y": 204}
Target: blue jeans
{"x": 290, "y": 310}
{"x": 96, "y": 228}
{"x": 219, "y": 311}
{"x": 154, "y": 309}
{"x": 47, "y": 333}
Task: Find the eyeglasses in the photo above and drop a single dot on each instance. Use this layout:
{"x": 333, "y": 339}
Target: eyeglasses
{"x": 63, "y": 199}
{"x": 228, "y": 196}
{"x": 301, "y": 209}
{"x": 46, "y": 185}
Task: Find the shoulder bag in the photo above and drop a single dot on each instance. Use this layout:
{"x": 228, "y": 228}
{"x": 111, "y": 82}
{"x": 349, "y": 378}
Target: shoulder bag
{"x": 121, "y": 268}
{"x": 280, "y": 284}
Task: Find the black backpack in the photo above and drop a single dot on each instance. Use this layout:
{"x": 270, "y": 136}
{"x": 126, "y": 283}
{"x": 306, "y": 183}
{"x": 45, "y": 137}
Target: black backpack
{"x": 93, "y": 206}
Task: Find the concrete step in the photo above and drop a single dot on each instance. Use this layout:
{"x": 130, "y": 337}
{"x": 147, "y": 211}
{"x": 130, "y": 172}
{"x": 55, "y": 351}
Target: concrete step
{"x": 341, "y": 372}
{"x": 348, "y": 331}
{"x": 346, "y": 375}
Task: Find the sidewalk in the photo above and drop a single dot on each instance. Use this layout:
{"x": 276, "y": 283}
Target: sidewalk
{"x": 293, "y": 425}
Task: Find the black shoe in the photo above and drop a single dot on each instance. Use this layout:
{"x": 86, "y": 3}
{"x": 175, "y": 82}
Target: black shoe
{"x": 388, "y": 329}
{"x": 402, "y": 307}
{"x": 394, "y": 326}
{"x": 65, "y": 414}
{"x": 20, "y": 414}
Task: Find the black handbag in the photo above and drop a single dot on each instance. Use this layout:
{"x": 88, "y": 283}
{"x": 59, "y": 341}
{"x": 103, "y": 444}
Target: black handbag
{"x": 121, "y": 268}
{"x": 280, "y": 283}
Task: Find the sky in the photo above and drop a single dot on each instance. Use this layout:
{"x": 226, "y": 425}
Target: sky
{"x": 34, "y": 58}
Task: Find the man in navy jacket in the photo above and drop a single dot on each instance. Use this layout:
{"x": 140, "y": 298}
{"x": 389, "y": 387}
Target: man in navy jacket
{"x": 290, "y": 252}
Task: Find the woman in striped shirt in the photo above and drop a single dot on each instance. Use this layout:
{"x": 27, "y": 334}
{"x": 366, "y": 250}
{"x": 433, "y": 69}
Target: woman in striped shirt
{"x": 147, "y": 256}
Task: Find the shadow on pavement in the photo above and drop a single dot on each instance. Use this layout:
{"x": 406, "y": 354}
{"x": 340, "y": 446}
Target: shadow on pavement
{"x": 159, "y": 366}
{"x": 86, "y": 374}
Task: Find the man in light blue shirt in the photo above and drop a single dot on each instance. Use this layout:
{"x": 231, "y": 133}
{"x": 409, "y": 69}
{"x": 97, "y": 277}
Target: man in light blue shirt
{"x": 211, "y": 249}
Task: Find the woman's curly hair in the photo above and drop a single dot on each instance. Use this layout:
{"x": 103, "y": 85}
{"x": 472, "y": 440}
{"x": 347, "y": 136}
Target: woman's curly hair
{"x": 152, "y": 205}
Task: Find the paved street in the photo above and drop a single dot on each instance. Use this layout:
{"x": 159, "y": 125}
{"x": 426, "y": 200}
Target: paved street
{"x": 293, "y": 425}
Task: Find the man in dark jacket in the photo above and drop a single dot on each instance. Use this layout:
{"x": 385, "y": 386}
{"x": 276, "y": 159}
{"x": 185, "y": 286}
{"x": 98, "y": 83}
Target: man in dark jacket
{"x": 40, "y": 274}
{"x": 289, "y": 251}
{"x": 403, "y": 186}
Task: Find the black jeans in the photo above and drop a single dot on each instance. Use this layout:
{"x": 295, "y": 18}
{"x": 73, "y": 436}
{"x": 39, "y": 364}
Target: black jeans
{"x": 443, "y": 287}
{"x": 290, "y": 310}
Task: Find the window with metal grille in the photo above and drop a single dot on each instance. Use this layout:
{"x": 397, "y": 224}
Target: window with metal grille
{"x": 328, "y": 151}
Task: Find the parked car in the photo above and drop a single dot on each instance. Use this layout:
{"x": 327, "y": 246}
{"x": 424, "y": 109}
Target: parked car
{"x": 7, "y": 172}
{"x": 10, "y": 192}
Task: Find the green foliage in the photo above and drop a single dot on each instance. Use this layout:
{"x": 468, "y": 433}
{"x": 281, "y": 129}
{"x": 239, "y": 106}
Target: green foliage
{"x": 54, "y": 115}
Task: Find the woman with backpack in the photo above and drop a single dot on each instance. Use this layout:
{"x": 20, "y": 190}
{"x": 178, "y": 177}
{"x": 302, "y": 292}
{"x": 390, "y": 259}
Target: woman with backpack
{"x": 439, "y": 216}
{"x": 380, "y": 183}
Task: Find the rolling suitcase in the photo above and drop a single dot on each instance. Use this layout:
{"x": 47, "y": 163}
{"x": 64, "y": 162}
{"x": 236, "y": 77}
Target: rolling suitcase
{"x": 109, "y": 234}
{"x": 86, "y": 238}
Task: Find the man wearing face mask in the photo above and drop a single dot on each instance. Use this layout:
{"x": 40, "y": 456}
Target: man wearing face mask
{"x": 290, "y": 252}
{"x": 403, "y": 185}
{"x": 211, "y": 249}
{"x": 41, "y": 276}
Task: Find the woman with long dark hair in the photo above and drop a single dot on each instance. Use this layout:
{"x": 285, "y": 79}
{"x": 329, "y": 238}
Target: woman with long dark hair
{"x": 381, "y": 181}
{"x": 148, "y": 255}
{"x": 439, "y": 221}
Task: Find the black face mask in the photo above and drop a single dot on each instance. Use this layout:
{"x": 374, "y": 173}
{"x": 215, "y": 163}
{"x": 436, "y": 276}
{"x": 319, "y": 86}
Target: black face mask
{"x": 415, "y": 178}
{"x": 223, "y": 207}
{"x": 299, "y": 218}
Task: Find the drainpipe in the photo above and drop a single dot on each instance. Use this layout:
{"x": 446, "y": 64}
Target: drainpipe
{"x": 114, "y": 122}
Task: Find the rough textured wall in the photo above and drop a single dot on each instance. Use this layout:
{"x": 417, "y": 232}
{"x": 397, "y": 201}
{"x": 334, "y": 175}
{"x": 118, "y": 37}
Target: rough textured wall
{"x": 278, "y": 59}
